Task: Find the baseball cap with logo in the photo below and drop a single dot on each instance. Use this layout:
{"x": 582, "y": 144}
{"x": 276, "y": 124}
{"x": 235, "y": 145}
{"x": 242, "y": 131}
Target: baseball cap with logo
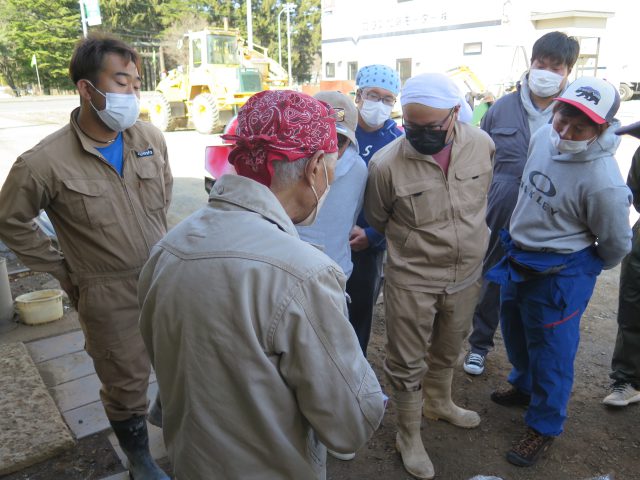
{"x": 347, "y": 125}
{"x": 595, "y": 97}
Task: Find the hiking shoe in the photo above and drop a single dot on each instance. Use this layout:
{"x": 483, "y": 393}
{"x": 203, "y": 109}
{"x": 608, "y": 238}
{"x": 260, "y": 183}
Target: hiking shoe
{"x": 622, "y": 394}
{"x": 345, "y": 457}
{"x": 525, "y": 453}
{"x": 474, "y": 363}
{"x": 511, "y": 397}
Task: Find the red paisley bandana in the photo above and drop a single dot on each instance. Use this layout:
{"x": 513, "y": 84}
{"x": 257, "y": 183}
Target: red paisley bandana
{"x": 280, "y": 125}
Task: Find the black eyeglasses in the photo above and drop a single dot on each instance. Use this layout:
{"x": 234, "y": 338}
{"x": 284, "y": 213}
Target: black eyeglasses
{"x": 431, "y": 128}
{"x": 374, "y": 97}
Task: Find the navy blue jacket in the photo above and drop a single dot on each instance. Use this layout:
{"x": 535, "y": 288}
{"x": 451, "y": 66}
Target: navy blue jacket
{"x": 369, "y": 143}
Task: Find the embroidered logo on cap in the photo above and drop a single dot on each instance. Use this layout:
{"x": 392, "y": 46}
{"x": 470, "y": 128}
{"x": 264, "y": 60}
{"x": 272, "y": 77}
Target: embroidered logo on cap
{"x": 589, "y": 94}
{"x": 147, "y": 153}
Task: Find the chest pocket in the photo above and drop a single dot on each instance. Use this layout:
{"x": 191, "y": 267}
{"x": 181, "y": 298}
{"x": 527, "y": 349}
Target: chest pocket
{"x": 89, "y": 202}
{"x": 150, "y": 185}
{"x": 509, "y": 144}
{"x": 421, "y": 203}
{"x": 472, "y": 185}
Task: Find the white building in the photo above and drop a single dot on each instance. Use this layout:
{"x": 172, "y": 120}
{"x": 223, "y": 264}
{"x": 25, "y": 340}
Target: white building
{"x": 491, "y": 37}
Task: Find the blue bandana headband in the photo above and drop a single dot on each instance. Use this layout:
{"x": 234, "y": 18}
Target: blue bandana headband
{"x": 379, "y": 76}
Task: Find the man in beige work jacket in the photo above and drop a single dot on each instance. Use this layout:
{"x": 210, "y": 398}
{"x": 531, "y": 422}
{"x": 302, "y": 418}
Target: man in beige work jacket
{"x": 105, "y": 183}
{"x": 427, "y": 192}
{"x": 246, "y": 324}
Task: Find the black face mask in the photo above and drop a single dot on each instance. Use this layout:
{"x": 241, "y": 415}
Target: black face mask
{"x": 427, "y": 142}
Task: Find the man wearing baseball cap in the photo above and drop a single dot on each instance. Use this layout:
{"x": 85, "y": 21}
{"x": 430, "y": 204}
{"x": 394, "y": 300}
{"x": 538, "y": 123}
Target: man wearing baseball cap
{"x": 571, "y": 221}
{"x": 330, "y": 231}
{"x": 625, "y": 364}
{"x": 246, "y": 325}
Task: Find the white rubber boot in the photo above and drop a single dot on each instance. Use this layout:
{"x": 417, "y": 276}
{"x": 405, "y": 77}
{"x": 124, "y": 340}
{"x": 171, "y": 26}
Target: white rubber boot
{"x": 436, "y": 388}
{"x": 408, "y": 440}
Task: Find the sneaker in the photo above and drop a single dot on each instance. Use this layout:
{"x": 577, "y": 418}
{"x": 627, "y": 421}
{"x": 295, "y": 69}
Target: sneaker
{"x": 525, "y": 453}
{"x": 511, "y": 397}
{"x": 345, "y": 457}
{"x": 474, "y": 363}
{"x": 622, "y": 394}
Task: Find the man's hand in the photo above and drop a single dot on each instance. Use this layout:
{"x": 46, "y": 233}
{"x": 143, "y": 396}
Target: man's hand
{"x": 358, "y": 240}
{"x": 71, "y": 290}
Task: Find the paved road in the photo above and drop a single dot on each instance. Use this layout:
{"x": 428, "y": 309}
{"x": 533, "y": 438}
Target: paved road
{"x": 24, "y": 121}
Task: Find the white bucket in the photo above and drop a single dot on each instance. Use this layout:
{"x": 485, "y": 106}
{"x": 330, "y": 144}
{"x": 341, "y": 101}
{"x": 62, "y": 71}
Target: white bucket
{"x": 39, "y": 307}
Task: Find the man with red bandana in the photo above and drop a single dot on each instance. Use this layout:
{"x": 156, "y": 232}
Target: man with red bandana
{"x": 246, "y": 324}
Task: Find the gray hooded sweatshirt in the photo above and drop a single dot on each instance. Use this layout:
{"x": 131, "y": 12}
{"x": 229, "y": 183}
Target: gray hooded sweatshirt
{"x": 568, "y": 202}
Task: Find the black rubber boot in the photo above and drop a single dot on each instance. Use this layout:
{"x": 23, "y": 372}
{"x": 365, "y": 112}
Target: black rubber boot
{"x": 134, "y": 441}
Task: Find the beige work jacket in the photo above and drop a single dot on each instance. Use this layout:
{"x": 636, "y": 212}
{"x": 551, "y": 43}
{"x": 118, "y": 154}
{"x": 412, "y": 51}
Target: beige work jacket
{"x": 435, "y": 225}
{"x": 246, "y": 326}
{"x": 106, "y": 224}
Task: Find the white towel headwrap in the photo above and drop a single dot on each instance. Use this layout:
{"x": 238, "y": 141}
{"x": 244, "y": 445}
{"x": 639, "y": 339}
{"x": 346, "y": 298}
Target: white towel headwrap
{"x": 437, "y": 91}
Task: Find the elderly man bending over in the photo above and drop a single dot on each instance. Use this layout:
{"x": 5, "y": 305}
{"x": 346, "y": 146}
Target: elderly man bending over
{"x": 246, "y": 324}
{"x": 427, "y": 191}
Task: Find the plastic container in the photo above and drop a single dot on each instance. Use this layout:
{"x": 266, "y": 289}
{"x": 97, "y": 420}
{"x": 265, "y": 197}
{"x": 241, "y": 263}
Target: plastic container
{"x": 39, "y": 307}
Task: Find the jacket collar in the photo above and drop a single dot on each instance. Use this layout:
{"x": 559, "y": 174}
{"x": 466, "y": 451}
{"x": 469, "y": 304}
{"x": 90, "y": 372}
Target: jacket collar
{"x": 129, "y": 139}
{"x": 252, "y": 196}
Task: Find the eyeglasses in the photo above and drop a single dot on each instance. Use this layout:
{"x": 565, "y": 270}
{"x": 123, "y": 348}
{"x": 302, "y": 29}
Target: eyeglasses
{"x": 431, "y": 128}
{"x": 374, "y": 97}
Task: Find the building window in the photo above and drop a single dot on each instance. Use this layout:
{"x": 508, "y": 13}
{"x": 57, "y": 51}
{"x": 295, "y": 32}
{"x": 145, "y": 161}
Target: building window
{"x": 473, "y": 48}
{"x": 330, "y": 70}
{"x": 352, "y": 70}
{"x": 403, "y": 67}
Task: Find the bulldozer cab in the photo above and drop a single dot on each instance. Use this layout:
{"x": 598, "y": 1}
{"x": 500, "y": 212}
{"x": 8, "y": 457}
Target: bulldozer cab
{"x": 215, "y": 67}
{"x": 221, "y": 74}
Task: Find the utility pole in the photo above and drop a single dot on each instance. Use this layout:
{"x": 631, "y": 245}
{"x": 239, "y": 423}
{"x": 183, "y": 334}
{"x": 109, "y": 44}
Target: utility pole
{"x": 34, "y": 63}
{"x": 290, "y": 8}
{"x": 249, "y": 26}
{"x": 83, "y": 18}
{"x": 279, "y": 40}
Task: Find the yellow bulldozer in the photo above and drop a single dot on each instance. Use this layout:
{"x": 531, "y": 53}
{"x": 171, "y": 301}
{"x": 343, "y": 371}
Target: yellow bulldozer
{"x": 221, "y": 75}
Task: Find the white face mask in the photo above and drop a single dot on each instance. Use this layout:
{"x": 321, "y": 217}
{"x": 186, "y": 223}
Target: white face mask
{"x": 569, "y": 146}
{"x": 121, "y": 110}
{"x": 544, "y": 83}
{"x": 375, "y": 114}
{"x": 311, "y": 218}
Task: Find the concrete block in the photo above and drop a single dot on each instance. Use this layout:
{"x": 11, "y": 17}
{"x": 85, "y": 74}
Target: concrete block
{"x": 66, "y": 368}
{"x": 53, "y": 347}
{"x": 31, "y": 427}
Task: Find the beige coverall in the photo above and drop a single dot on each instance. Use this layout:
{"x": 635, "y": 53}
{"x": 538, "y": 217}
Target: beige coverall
{"x": 436, "y": 240}
{"x": 106, "y": 225}
{"x": 246, "y": 325}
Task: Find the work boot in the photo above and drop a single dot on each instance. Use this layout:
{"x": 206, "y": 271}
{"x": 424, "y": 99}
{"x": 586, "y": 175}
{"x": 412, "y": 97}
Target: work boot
{"x": 134, "y": 441}
{"x": 526, "y": 452}
{"x": 436, "y": 388}
{"x": 511, "y": 397}
{"x": 154, "y": 417}
{"x": 408, "y": 439}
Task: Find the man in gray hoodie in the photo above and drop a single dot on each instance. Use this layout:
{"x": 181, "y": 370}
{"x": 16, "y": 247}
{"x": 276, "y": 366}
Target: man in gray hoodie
{"x": 511, "y": 122}
{"x": 571, "y": 221}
